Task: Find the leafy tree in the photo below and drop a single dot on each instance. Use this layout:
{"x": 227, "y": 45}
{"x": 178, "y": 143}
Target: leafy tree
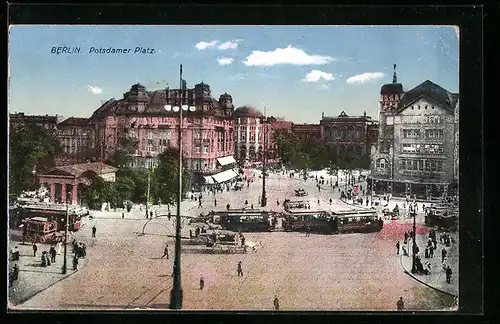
{"x": 30, "y": 147}
{"x": 122, "y": 157}
{"x": 166, "y": 181}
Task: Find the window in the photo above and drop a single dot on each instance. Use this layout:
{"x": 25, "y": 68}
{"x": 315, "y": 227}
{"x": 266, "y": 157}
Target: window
{"x": 206, "y": 149}
{"x": 150, "y": 147}
{"x": 205, "y": 135}
{"x": 197, "y": 164}
{"x": 198, "y": 134}
{"x": 197, "y": 149}
{"x": 150, "y": 134}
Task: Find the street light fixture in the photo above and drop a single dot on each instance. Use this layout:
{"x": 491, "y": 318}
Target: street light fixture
{"x": 176, "y": 292}
{"x": 34, "y": 176}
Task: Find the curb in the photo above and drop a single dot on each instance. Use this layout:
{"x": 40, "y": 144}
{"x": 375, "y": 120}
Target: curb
{"x": 423, "y": 282}
{"x": 36, "y": 293}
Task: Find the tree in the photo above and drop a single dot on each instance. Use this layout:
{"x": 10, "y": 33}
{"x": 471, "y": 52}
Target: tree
{"x": 30, "y": 147}
{"x": 122, "y": 157}
{"x": 166, "y": 179}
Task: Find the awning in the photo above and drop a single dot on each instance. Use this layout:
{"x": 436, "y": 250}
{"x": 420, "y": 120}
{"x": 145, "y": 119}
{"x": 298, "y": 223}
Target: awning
{"x": 224, "y": 176}
{"x": 209, "y": 180}
{"x": 226, "y": 160}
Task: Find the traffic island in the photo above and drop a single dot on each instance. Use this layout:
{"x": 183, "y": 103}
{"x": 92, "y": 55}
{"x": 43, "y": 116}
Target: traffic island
{"x": 437, "y": 277}
{"x": 33, "y": 278}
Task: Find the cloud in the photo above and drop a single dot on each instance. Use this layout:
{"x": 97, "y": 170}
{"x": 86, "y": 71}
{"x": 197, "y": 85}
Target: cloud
{"x": 229, "y": 44}
{"x": 94, "y": 90}
{"x": 365, "y": 77}
{"x": 204, "y": 45}
{"x": 316, "y": 75}
{"x": 237, "y": 77}
{"x": 225, "y": 60}
{"x": 289, "y": 55}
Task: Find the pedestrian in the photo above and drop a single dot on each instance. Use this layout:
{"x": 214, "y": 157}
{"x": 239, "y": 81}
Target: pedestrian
{"x": 44, "y": 259}
{"x": 397, "y": 248}
{"x": 165, "y": 252}
{"x": 202, "y": 282}
{"x": 400, "y": 304}
{"x": 308, "y": 230}
{"x": 190, "y": 234}
{"x": 277, "y": 202}
{"x": 123, "y": 215}
{"x": 215, "y": 202}
{"x": 199, "y": 203}
{"x": 276, "y": 303}
{"x": 448, "y": 274}
{"x": 330, "y": 201}
{"x": 94, "y": 230}
{"x": 52, "y": 253}
{"x": 13, "y": 275}
{"x": 240, "y": 270}
{"x": 246, "y": 203}
{"x": 228, "y": 206}
{"x": 35, "y": 248}
{"x": 318, "y": 201}
{"x": 15, "y": 254}
{"x": 75, "y": 263}
{"x": 426, "y": 254}
{"x": 151, "y": 215}
{"x": 251, "y": 206}
{"x": 431, "y": 251}
{"x": 443, "y": 255}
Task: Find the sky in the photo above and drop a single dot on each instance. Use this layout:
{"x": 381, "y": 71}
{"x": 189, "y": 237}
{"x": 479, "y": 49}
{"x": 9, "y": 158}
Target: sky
{"x": 296, "y": 72}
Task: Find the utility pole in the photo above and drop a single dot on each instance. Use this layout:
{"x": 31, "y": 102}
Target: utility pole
{"x": 263, "y": 200}
{"x": 65, "y": 262}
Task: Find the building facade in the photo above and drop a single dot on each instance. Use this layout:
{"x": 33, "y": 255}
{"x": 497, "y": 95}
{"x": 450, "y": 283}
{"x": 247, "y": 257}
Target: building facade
{"x": 20, "y": 119}
{"x": 252, "y": 131}
{"x": 76, "y": 136}
{"x": 207, "y": 132}
{"x": 307, "y": 131}
{"x": 349, "y": 135}
{"x": 416, "y": 150}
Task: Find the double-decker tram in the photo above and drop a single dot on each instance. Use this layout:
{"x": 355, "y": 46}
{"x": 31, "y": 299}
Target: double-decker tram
{"x": 357, "y": 220}
{"x": 243, "y": 220}
{"x": 56, "y": 212}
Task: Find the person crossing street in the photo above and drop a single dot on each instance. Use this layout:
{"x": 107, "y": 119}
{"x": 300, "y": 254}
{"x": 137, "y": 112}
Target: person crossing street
{"x": 240, "y": 270}
{"x": 165, "y": 251}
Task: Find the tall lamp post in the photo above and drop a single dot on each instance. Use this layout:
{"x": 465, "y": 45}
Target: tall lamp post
{"x": 176, "y": 292}
{"x": 263, "y": 199}
{"x": 34, "y": 177}
{"x": 414, "y": 239}
{"x": 65, "y": 260}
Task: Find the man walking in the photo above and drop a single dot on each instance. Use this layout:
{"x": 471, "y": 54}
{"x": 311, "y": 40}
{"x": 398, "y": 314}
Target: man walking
{"x": 52, "y": 253}
{"x": 397, "y": 248}
{"x": 35, "y": 248}
{"x": 276, "y": 303}
{"x": 165, "y": 251}
{"x": 443, "y": 255}
{"x": 202, "y": 282}
{"x": 448, "y": 274}
{"x": 400, "y": 304}
{"x": 308, "y": 230}
{"x": 215, "y": 202}
{"x": 75, "y": 263}
{"x": 94, "y": 230}
{"x": 240, "y": 270}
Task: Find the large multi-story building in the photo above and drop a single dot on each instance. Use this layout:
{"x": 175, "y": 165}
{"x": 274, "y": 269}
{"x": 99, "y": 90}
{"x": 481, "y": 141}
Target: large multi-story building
{"x": 76, "y": 136}
{"x": 349, "y": 134}
{"x": 17, "y": 120}
{"x": 207, "y": 134}
{"x": 252, "y": 130}
{"x": 307, "y": 132}
{"x": 416, "y": 147}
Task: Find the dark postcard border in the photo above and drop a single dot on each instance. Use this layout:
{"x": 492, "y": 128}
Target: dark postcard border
{"x": 468, "y": 18}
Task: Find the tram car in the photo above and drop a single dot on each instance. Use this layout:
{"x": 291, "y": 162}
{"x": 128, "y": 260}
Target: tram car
{"x": 243, "y": 220}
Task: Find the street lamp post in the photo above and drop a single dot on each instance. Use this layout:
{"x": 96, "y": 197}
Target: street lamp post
{"x": 414, "y": 239}
{"x": 176, "y": 292}
{"x": 263, "y": 200}
{"x": 65, "y": 261}
{"x": 34, "y": 177}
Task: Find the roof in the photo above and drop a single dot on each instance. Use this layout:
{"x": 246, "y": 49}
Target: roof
{"x": 74, "y": 121}
{"x": 76, "y": 170}
{"x": 247, "y": 111}
{"x": 391, "y": 88}
{"x": 431, "y": 91}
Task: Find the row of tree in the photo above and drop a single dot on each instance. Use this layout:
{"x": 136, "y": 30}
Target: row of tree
{"x": 312, "y": 154}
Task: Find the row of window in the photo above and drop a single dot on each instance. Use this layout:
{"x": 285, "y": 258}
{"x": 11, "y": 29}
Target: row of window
{"x": 344, "y": 134}
{"x": 423, "y": 107}
{"x": 421, "y": 165}
{"x": 422, "y": 148}
{"x": 429, "y": 133}
{"x": 72, "y": 131}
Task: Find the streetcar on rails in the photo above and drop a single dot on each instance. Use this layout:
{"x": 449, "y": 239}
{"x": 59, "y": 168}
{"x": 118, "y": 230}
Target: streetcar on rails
{"x": 329, "y": 222}
{"x": 55, "y": 212}
{"x": 445, "y": 217}
{"x": 296, "y": 204}
{"x": 243, "y": 220}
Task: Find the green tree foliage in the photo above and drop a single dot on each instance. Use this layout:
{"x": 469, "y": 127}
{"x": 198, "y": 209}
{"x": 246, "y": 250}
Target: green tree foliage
{"x": 166, "y": 184}
{"x": 122, "y": 157}
{"x": 30, "y": 146}
{"x": 98, "y": 191}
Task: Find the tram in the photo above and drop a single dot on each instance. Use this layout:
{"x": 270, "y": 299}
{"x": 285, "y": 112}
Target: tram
{"x": 55, "y": 212}
{"x": 243, "y": 220}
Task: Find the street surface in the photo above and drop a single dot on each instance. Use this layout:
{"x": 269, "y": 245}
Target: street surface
{"x": 348, "y": 272}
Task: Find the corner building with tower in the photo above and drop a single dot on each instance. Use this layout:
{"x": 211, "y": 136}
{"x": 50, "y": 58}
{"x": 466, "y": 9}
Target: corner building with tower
{"x": 417, "y": 148}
